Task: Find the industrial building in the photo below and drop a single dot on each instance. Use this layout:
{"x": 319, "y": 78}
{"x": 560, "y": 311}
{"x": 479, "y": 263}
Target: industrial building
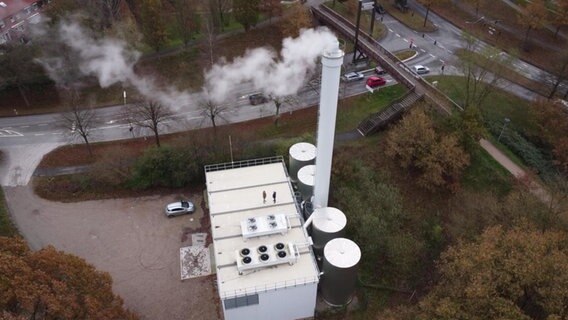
{"x": 265, "y": 266}
{"x": 265, "y": 261}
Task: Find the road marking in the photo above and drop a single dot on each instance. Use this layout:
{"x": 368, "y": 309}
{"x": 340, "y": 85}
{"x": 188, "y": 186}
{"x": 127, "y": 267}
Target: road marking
{"x": 433, "y": 56}
{"x": 56, "y": 133}
{"x": 42, "y": 124}
{"x": 423, "y": 50}
{"x": 404, "y": 40}
{"x": 39, "y": 134}
{"x": 24, "y": 126}
{"x": 441, "y": 46}
{"x": 390, "y": 30}
{"x": 9, "y": 133}
{"x": 398, "y": 35}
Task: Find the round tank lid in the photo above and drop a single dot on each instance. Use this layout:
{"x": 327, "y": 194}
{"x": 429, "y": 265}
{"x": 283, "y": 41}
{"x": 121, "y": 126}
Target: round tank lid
{"x": 342, "y": 253}
{"x": 303, "y": 151}
{"x": 306, "y": 174}
{"x": 329, "y": 219}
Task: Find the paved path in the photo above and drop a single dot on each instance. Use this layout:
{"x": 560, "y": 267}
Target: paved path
{"x": 534, "y": 187}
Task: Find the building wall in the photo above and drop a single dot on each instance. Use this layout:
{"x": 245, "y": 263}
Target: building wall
{"x": 283, "y": 304}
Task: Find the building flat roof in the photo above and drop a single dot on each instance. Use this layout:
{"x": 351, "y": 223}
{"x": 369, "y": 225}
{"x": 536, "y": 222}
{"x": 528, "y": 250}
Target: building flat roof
{"x": 234, "y": 193}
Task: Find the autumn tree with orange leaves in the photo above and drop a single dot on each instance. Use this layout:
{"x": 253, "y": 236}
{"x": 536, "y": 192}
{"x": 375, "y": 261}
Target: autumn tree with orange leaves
{"x": 50, "y": 284}
{"x": 520, "y": 273}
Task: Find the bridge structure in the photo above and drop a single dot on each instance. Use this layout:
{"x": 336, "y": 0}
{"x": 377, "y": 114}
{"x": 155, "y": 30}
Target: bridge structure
{"x": 419, "y": 88}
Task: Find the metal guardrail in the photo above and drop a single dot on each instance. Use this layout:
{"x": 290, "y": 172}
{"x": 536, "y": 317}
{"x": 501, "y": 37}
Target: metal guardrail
{"x": 394, "y": 66}
{"x": 244, "y": 163}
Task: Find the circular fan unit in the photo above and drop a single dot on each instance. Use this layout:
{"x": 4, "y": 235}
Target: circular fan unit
{"x": 252, "y": 227}
{"x": 245, "y": 252}
{"x": 264, "y": 257}
{"x": 281, "y": 254}
{"x": 247, "y": 260}
{"x": 271, "y": 217}
{"x": 262, "y": 249}
{"x": 251, "y": 220}
{"x": 279, "y": 246}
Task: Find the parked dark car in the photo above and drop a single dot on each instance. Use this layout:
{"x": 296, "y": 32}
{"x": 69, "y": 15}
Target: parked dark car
{"x": 257, "y": 98}
{"x": 379, "y": 70}
{"x": 380, "y": 9}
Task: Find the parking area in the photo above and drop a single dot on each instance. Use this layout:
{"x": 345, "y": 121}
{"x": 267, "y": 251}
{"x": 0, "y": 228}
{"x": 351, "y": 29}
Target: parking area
{"x": 132, "y": 240}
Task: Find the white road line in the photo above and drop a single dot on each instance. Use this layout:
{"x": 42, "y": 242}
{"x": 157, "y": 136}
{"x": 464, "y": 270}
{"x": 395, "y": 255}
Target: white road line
{"x": 56, "y": 133}
{"x": 433, "y": 56}
{"x": 404, "y": 40}
{"x": 24, "y": 126}
{"x": 442, "y": 47}
{"x": 42, "y": 124}
{"x": 39, "y": 134}
{"x": 390, "y": 30}
{"x": 398, "y": 35}
{"x": 423, "y": 50}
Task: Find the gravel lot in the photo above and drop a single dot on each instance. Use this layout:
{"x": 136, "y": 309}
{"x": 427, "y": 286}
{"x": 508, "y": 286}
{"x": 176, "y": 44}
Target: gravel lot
{"x": 129, "y": 238}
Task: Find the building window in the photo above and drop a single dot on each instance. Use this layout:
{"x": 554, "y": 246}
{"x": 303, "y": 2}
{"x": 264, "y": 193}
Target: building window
{"x": 241, "y": 301}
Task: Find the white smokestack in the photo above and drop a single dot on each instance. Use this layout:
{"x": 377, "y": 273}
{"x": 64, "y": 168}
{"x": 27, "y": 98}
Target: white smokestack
{"x": 331, "y": 70}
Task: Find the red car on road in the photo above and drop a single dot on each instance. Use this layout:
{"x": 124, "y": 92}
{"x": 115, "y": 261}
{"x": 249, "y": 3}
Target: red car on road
{"x": 374, "y": 82}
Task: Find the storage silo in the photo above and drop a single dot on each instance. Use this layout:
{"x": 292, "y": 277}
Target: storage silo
{"x": 340, "y": 263}
{"x": 328, "y": 223}
{"x": 306, "y": 180}
{"x": 300, "y": 154}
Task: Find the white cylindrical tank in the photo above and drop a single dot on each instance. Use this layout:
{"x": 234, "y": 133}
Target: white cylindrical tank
{"x": 300, "y": 154}
{"x": 340, "y": 264}
{"x": 327, "y": 224}
{"x": 306, "y": 180}
{"x": 331, "y": 70}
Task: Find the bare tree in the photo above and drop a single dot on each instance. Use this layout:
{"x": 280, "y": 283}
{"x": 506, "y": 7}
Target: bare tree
{"x": 210, "y": 38}
{"x": 186, "y": 19}
{"x": 559, "y": 75}
{"x": 482, "y": 68}
{"x": 151, "y": 115}
{"x": 79, "y": 122}
{"x": 278, "y": 102}
{"x": 111, "y": 10}
{"x": 210, "y": 109}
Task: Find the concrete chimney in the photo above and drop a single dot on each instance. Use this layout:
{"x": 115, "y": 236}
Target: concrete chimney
{"x": 331, "y": 71}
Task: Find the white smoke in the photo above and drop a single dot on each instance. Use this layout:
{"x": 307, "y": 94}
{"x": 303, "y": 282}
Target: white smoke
{"x": 112, "y": 62}
{"x": 278, "y": 77}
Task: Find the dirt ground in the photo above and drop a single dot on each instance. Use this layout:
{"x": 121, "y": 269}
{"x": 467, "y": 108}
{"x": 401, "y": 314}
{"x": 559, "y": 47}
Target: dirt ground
{"x": 132, "y": 240}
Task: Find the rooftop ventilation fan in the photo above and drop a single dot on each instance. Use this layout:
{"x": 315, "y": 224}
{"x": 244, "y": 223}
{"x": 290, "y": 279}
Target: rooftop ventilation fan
{"x": 264, "y": 257}
{"x": 281, "y": 254}
{"x": 245, "y": 252}
{"x": 271, "y": 217}
{"x": 251, "y": 220}
{"x": 252, "y": 227}
{"x": 273, "y": 225}
{"x": 279, "y": 246}
{"x": 262, "y": 249}
{"x": 247, "y": 260}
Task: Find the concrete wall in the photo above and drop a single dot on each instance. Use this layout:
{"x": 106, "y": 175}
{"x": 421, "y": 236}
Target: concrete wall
{"x": 282, "y": 304}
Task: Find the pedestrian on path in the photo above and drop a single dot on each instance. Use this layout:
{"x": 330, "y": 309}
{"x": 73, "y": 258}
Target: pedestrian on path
{"x": 443, "y": 66}
{"x": 274, "y": 196}
{"x": 263, "y": 196}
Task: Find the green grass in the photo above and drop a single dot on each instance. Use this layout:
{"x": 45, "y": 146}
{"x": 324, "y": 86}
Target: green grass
{"x": 498, "y": 106}
{"x": 7, "y": 228}
{"x": 348, "y": 118}
{"x": 485, "y": 173}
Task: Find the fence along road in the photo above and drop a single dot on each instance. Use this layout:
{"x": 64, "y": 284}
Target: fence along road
{"x": 388, "y": 61}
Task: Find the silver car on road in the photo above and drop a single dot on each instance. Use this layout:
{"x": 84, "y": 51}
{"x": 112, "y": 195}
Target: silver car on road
{"x": 179, "y": 208}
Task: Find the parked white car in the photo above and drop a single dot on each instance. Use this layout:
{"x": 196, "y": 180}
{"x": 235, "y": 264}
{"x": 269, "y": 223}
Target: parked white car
{"x": 419, "y": 69}
{"x": 179, "y": 208}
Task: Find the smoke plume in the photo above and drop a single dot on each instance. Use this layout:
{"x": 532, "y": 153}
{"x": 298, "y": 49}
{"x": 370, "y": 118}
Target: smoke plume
{"x": 111, "y": 62}
{"x": 269, "y": 74}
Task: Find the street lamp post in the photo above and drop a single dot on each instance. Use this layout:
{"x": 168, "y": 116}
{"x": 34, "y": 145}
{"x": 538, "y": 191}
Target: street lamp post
{"x": 507, "y": 120}
{"x": 124, "y": 96}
